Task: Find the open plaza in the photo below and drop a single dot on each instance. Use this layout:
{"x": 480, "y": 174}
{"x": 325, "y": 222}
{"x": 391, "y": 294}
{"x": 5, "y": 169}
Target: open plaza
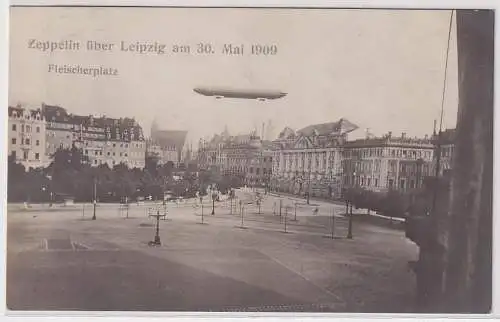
{"x": 58, "y": 258}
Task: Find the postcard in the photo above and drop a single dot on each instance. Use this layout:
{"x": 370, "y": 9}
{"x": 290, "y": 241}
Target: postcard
{"x": 200, "y": 159}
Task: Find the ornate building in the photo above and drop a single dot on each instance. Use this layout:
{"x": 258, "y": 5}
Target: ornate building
{"x": 309, "y": 160}
{"x": 26, "y": 137}
{"x": 387, "y": 162}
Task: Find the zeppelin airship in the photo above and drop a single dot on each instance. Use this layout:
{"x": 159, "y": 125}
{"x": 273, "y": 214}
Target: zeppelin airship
{"x": 241, "y": 94}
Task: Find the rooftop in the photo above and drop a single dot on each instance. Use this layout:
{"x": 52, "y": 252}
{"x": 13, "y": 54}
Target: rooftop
{"x": 390, "y": 140}
{"x": 342, "y": 126}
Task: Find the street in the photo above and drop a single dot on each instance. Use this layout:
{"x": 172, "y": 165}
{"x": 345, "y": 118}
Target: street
{"x": 62, "y": 260}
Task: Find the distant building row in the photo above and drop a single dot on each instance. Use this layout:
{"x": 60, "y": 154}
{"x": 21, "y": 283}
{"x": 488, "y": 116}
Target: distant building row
{"x": 34, "y": 135}
{"x": 320, "y": 160}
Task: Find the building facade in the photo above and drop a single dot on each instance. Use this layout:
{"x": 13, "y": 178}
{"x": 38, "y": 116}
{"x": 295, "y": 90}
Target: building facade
{"x": 445, "y": 143}
{"x": 308, "y": 161}
{"x": 167, "y": 145}
{"x": 388, "y": 162}
{"x": 164, "y": 154}
{"x": 102, "y": 140}
{"x": 27, "y": 136}
{"x": 245, "y": 156}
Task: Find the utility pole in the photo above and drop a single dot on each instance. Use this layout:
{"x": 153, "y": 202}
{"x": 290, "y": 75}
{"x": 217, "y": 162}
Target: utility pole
{"x": 468, "y": 246}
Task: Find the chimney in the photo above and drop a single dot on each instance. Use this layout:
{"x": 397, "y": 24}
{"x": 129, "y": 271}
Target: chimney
{"x": 403, "y": 135}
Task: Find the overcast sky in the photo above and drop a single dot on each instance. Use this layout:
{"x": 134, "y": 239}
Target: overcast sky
{"x": 380, "y": 69}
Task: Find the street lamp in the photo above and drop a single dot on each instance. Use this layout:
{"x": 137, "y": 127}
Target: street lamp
{"x": 349, "y": 228}
{"x": 95, "y": 199}
{"x": 214, "y": 195}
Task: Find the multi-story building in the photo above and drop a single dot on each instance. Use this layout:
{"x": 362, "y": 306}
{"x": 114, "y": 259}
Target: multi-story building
{"x": 446, "y": 144}
{"x": 245, "y": 156}
{"x": 26, "y": 137}
{"x": 387, "y": 162}
{"x": 309, "y": 160}
{"x": 166, "y": 144}
{"x": 164, "y": 154}
{"x": 103, "y": 140}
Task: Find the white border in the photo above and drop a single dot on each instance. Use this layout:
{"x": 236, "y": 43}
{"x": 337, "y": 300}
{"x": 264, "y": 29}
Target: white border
{"x": 138, "y": 316}
{"x": 417, "y": 4}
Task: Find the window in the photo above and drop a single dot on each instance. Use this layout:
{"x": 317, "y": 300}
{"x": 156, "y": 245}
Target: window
{"x": 37, "y": 142}
{"x": 25, "y": 155}
{"x": 86, "y": 151}
{"x": 114, "y": 145}
{"x": 14, "y": 141}
{"x": 27, "y": 141}
{"x": 126, "y": 154}
{"x": 37, "y": 129}
{"x": 100, "y": 152}
{"x": 257, "y": 171}
{"x": 114, "y": 153}
{"x": 251, "y": 170}
{"x": 28, "y": 128}
{"x": 14, "y": 127}
{"x": 109, "y": 154}
{"x": 22, "y": 127}
{"x": 13, "y": 154}
{"x": 37, "y": 156}
{"x": 95, "y": 161}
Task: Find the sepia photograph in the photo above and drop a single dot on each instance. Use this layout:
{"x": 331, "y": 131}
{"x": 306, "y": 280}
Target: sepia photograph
{"x": 197, "y": 159}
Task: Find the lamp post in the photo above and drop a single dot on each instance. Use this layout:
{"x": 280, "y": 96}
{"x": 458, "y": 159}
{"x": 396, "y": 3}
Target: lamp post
{"x": 349, "y": 228}
{"x": 214, "y": 195}
{"x": 309, "y": 178}
{"x": 157, "y": 241}
{"x": 95, "y": 199}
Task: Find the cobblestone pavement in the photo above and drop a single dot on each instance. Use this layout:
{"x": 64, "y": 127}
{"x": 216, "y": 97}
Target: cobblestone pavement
{"x": 63, "y": 260}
